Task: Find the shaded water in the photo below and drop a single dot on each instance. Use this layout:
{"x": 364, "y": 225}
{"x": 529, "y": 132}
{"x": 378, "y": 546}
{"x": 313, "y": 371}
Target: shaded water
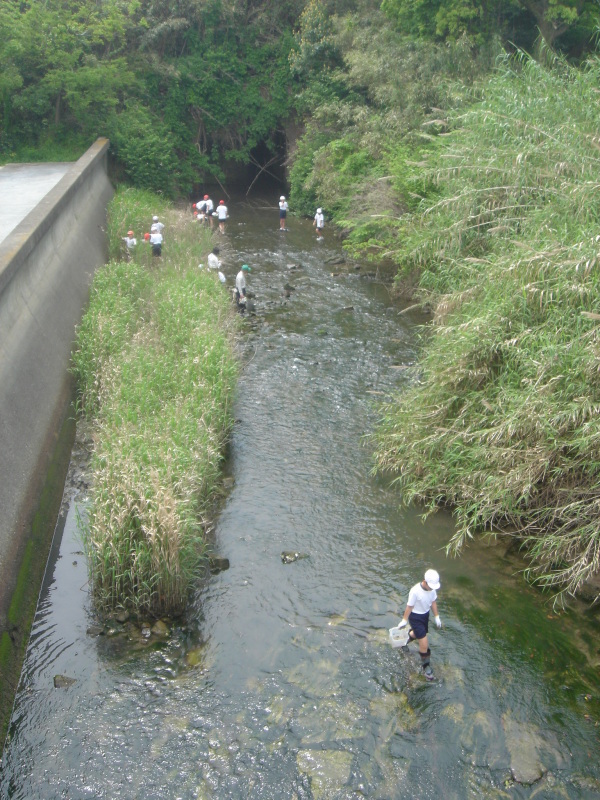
{"x": 282, "y": 683}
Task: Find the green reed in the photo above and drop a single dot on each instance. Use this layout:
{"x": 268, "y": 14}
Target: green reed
{"x": 156, "y": 371}
{"x": 502, "y": 421}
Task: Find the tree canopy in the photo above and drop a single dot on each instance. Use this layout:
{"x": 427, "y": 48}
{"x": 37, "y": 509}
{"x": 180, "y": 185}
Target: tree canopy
{"x": 514, "y": 20}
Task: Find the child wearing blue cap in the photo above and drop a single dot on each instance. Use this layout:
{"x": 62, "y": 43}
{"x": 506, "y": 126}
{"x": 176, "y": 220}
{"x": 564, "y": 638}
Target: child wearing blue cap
{"x": 240, "y": 287}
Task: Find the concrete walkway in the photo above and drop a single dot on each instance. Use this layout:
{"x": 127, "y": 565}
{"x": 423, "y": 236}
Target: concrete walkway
{"x": 22, "y": 186}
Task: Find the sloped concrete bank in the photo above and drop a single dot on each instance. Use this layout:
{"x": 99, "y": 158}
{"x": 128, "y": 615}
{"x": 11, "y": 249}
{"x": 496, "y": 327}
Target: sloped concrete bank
{"x": 46, "y": 266}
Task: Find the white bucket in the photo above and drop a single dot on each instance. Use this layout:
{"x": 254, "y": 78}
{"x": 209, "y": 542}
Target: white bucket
{"x": 399, "y": 636}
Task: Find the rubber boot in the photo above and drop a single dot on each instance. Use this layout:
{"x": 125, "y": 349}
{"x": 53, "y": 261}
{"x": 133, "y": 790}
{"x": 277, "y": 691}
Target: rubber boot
{"x": 425, "y": 659}
{"x": 410, "y": 639}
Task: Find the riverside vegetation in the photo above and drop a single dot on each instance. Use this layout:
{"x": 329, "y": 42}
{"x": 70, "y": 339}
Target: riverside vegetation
{"x": 483, "y": 191}
{"x": 156, "y": 373}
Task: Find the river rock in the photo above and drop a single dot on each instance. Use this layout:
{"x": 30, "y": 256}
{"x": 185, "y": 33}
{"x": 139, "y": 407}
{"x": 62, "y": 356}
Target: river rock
{"x": 160, "y": 628}
{"x": 328, "y": 770}
{"x": 527, "y": 747}
{"x": 63, "y": 681}
{"x": 95, "y": 630}
{"x": 122, "y": 616}
{"x": 335, "y": 260}
{"x": 196, "y": 656}
{"x": 289, "y": 556}
{"x": 218, "y": 563}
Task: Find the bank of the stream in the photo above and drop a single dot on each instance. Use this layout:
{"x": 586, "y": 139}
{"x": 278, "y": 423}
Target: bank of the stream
{"x": 156, "y": 372}
{"x": 486, "y": 199}
{"x": 280, "y": 682}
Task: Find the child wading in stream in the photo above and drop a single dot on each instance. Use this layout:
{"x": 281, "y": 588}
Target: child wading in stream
{"x": 421, "y": 598}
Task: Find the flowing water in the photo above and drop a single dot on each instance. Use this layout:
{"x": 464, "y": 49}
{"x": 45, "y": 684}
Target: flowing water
{"x": 281, "y": 683}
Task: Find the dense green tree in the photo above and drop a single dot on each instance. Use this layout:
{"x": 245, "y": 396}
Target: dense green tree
{"x": 178, "y": 86}
{"x": 556, "y": 17}
{"x": 514, "y": 20}
{"x": 63, "y": 65}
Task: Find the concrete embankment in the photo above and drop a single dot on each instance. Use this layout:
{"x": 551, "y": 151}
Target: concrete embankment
{"x": 47, "y": 262}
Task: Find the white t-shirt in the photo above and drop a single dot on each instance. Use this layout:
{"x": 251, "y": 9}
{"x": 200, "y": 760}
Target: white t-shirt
{"x": 130, "y": 241}
{"x": 283, "y": 205}
{"x": 157, "y": 226}
{"x": 319, "y": 220}
{"x": 240, "y": 281}
{"x": 212, "y": 261}
{"x": 420, "y": 600}
{"x": 156, "y": 237}
{"x": 209, "y": 206}
{"x": 222, "y": 212}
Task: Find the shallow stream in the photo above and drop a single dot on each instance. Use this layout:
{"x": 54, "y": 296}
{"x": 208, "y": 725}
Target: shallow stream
{"x": 281, "y": 683}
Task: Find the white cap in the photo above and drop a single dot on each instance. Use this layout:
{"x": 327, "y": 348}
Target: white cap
{"x": 432, "y": 579}
{"x": 154, "y": 219}
{"x": 319, "y": 210}
{"x": 282, "y": 197}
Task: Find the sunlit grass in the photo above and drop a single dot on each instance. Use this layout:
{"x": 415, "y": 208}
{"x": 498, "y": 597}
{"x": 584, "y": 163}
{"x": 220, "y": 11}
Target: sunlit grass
{"x": 156, "y": 371}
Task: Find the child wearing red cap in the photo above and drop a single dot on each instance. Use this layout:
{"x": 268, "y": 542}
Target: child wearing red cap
{"x": 222, "y": 214}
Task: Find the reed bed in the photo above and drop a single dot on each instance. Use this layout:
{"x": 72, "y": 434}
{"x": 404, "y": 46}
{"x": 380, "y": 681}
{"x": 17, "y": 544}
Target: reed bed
{"x": 502, "y": 420}
{"x": 156, "y": 373}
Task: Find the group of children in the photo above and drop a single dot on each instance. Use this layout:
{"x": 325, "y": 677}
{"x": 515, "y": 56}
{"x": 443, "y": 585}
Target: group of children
{"x": 239, "y": 293}
{"x": 154, "y": 238}
{"x": 318, "y": 221}
{"x": 204, "y": 211}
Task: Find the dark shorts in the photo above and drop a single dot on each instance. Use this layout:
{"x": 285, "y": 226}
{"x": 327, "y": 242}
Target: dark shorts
{"x": 419, "y": 623}
{"x": 282, "y": 213}
{"x": 156, "y": 249}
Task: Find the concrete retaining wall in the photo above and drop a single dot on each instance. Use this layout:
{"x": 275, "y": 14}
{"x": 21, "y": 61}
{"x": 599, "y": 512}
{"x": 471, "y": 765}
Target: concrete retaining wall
{"x": 46, "y": 266}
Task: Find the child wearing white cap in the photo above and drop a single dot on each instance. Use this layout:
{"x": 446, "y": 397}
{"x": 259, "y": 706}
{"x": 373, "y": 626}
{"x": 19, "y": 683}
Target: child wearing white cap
{"x": 283, "y": 207}
{"x": 156, "y": 227}
{"x": 319, "y": 222}
{"x": 421, "y": 598}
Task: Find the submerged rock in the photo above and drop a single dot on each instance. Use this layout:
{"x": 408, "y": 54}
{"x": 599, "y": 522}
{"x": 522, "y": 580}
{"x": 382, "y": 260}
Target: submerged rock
{"x": 532, "y": 752}
{"x": 63, "y": 681}
{"x": 328, "y": 770}
{"x": 122, "y": 616}
{"x": 289, "y": 556}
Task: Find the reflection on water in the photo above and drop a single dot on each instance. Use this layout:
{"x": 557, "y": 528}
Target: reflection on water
{"x": 281, "y": 684}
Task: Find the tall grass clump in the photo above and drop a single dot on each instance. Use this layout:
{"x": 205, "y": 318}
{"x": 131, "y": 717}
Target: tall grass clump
{"x": 502, "y": 421}
{"x": 156, "y": 372}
